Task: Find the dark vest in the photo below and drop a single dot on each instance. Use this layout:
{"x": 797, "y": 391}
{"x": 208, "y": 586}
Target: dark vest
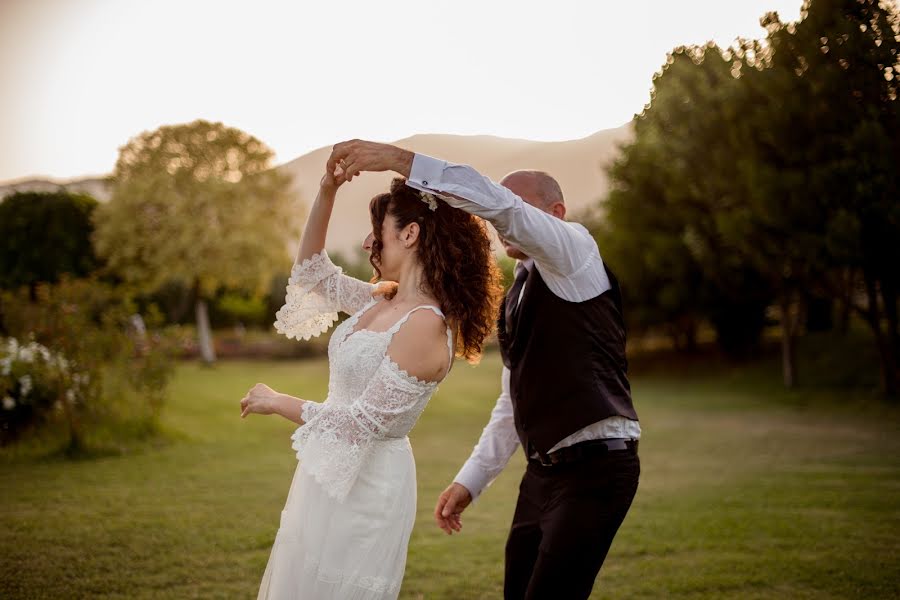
{"x": 567, "y": 362}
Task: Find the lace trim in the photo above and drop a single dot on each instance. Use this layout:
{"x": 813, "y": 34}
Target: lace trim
{"x": 410, "y": 379}
{"x": 309, "y": 410}
{"x": 332, "y": 461}
{"x": 307, "y": 312}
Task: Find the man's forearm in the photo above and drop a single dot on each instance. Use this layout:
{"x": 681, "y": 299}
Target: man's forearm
{"x": 349, "y": 159}
{"x": 401, "y": 161}
{"x": 551, "y": 241}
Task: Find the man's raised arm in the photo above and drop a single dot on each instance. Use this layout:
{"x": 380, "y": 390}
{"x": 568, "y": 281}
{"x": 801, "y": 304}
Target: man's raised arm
{"x": 562, "y": 247}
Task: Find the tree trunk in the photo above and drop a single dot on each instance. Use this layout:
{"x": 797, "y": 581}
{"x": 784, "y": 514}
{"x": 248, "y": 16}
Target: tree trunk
{"x": 207, "y": 352}
{"x": 204, "y": 332}
{"x": 846, "y": 302}
{"x": 788, "y": 342}
{"x": 889, "y": 384}
{"x": 76, "y": 444}
{"x": 889, "y": 297}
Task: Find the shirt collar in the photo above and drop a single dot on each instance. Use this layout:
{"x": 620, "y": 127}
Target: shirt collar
{"x": 527, "y": 263}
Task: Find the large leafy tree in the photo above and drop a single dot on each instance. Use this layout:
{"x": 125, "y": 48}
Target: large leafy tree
{"x": 198, "y": 204}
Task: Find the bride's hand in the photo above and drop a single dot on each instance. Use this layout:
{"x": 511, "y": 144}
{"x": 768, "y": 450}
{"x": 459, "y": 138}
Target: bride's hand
{"x": 260, "y": 400}
{"x": 332, "y": 180}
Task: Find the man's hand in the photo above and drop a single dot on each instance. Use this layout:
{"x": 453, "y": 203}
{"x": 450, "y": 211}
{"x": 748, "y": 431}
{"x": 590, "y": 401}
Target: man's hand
{"x": 449, "y": 507}
{"x": 356, "y": 156}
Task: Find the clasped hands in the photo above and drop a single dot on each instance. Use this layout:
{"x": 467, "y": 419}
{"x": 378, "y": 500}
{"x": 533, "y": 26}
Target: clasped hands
{"x": 349, "y": 159}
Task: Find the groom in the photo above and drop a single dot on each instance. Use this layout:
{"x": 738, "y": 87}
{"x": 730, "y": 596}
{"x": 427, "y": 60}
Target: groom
{"x": 565, "y": 393}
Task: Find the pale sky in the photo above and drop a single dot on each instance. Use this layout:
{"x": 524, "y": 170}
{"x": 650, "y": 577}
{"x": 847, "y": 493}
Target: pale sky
{"x": 78, "y": 78}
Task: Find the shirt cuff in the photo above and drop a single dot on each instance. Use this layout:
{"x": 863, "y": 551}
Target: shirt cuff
{"x": 473, "y": 478}
{"x": 426, "y": 172}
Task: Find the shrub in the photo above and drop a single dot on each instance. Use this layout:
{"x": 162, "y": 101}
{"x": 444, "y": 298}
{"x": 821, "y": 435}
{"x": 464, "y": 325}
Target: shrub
{"x": 34, "y": 383}
{"x": 122, "y": 363}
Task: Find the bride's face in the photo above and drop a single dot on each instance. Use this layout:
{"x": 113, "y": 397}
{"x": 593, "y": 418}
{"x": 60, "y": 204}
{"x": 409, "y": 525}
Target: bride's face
{"x": 395, "y": 248}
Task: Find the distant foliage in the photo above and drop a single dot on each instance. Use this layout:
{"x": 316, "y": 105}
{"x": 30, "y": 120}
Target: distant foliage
{"x": 43, "y": 235}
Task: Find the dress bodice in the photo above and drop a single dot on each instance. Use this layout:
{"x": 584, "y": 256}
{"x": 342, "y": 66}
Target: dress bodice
{"x": 354, "y": 358}
{"x": 370, "y": 397}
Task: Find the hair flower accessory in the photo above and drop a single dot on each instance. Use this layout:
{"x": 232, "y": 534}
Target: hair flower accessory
{"x": 430, "y": 200}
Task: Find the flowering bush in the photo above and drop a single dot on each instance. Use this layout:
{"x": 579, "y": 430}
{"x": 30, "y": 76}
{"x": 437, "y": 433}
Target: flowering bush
{"x": 35, "y": 382}
{"x": 88, "y": 356}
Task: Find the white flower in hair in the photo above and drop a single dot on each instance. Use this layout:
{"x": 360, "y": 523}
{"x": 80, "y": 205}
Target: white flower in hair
{"x": 430, "y": 200}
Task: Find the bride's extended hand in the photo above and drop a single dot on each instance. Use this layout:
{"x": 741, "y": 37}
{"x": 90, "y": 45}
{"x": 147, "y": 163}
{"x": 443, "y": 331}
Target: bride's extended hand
{"x": 332, "y": 180}
{"x": 260, "y": 399}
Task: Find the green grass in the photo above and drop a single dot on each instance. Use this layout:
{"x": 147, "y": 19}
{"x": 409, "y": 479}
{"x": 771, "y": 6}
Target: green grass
{"x": 747, "y": 491}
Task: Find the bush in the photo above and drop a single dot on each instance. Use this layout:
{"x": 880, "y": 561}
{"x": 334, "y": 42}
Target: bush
{"x": 122, "y": 363}
{"x": 34, "y": 383}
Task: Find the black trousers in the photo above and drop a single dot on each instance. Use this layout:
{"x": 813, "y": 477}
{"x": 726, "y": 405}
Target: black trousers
{"x": 565, "y": 521}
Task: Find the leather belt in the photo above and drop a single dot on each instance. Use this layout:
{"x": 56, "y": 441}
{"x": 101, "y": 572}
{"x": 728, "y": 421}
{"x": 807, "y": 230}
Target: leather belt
{"x": 585, "y": 449}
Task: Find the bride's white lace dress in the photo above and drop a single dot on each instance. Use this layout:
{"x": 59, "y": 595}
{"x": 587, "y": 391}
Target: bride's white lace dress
{"x": 350, "y": 509}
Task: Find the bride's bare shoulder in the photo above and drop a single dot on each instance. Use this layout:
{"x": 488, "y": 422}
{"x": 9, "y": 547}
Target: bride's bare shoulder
{"x": 420, "y": 346}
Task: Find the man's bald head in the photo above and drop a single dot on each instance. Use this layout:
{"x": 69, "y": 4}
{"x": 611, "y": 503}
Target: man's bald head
{"x": 537, "y": 188}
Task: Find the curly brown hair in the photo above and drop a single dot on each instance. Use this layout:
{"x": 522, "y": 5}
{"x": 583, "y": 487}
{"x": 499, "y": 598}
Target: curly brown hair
{"x": 455, "y": 251}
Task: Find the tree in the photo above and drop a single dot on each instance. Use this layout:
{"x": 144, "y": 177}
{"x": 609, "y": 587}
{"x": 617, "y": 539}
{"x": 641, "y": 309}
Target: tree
{"x": 770, "y": 168}
{"x": 42, "y": 236}
{"x": 671, "y": 211}
{"x": 822, "y": 156}
{"x": 198, "y": 204}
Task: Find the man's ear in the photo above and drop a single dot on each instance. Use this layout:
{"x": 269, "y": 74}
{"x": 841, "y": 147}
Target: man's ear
{"x": 558, "y": 210}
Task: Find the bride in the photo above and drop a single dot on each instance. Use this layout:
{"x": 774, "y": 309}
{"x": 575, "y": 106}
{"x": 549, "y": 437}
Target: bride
{"x": 351, "y": 506}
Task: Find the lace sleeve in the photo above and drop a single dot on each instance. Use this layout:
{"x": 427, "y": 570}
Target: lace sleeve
{"x": 317, "y": 289}
{"x": 336, "y": 440}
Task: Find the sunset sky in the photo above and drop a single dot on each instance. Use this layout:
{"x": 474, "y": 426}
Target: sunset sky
{"x": 80, "y": 77}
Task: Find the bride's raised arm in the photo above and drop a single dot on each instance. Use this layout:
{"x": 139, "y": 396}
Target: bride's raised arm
{"x": 317, "y": 289}
{"x": 313, "y": 240}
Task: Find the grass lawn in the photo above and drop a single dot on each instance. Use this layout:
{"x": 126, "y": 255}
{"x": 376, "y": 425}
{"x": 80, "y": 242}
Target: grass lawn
{"x": 747, "y": 491}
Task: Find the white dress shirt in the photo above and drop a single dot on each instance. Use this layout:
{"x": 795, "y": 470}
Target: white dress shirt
{"x": 569, "y": 261}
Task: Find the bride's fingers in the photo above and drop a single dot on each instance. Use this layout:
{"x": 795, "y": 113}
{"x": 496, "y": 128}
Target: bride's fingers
{"x": 351, "y": 169}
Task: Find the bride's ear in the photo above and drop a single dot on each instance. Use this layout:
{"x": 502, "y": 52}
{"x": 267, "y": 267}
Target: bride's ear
{"x": 410, "y": 234}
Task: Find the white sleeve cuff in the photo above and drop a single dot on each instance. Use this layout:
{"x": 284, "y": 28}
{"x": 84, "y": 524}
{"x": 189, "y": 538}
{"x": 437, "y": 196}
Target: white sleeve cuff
{"x": 473, "y": 478}
{"x": 426, "y": 172}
